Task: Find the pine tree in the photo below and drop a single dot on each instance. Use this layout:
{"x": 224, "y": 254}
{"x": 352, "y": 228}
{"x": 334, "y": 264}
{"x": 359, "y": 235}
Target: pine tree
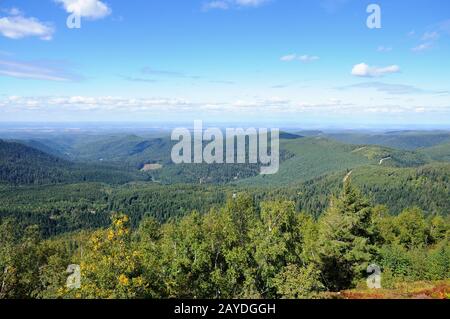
{"x": 346, "y": 236}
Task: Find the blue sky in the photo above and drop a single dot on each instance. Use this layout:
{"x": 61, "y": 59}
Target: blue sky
{"x": 312, "y": 62}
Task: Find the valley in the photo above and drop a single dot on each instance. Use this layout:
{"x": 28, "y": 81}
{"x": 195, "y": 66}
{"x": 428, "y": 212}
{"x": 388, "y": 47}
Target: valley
{"x": 171, "y": 229}
{"x": 134, "y": 174}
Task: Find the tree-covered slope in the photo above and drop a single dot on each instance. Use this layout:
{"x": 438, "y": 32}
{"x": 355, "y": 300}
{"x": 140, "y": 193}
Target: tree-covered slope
{"x": 131, "y": 149}
{"x": 407, "y": 140}
{"x": 20, "y": 164}
{"x": 302, "y": 158}
{"x": 24, "y": 165}
{"x": 440, "y": 152}
{"x": 317, "y": 156}
{"x": 62, "y": 208}
{"x": 427, "y": 187}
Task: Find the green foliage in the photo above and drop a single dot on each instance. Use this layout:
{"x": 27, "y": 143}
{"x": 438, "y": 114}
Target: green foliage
{"x": 295, "y": 282}
{"x": 29, "y": 267}
{"x": 277, "y": 242}
{"x": 111, "y": 267}
{"x": 210, "y": 255}
{"x": 347, "y": 239}
{"x": 411, "y": 228}
{"x": 242, "y": 249}
{"x": 438, "y": 228}
{"x": 402, "y": 264}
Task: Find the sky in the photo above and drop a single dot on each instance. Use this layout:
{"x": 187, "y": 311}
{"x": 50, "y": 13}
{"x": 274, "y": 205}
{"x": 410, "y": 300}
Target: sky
{"x": 309, "y": 62}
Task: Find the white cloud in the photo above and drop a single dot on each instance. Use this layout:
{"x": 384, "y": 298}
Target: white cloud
{"x": 18, "y": 26}
{"x": 227, "y": 4}
{"x": 308, "y": 58}
{"x": 288, "y": 58}
{"x": 222, "y": 5}
{"x": 303, "y": 58}
{"x": 430, "y": 36}
{"x": 364, "y": 70}
{"x": 50, "y": 71}
{"x": 98, "y": 103}
{"x": 382, "y": 48}
{"x": 392, "y": 88}
{"x": 92, "y": 9}
{"x": 13, "y": 11}
{"x": 250, "y": 3}
{"x": 422, "y": 47}
{"x": 121, "y": 107}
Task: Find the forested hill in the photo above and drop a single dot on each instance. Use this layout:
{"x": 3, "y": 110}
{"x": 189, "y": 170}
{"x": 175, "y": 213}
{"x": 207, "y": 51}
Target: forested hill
{"x": 440, "y": 152}
{"x": 20, "y": 164}
{"x": 123, "y": 158}
{"x": 24, "y": 165}
{"x": 103, "y": 175}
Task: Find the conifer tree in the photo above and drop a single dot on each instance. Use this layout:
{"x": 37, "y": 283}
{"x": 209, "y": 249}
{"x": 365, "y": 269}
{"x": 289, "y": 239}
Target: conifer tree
{"x": 346, "y": 235}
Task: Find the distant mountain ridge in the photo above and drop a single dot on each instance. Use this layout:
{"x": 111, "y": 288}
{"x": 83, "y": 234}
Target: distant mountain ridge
{"x": 407, "y": 140}
{"x": 121, "y": 157}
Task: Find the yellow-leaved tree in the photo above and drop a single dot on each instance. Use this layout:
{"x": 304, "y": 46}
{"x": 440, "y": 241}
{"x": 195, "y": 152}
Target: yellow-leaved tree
{"x": 111, "y": 267}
